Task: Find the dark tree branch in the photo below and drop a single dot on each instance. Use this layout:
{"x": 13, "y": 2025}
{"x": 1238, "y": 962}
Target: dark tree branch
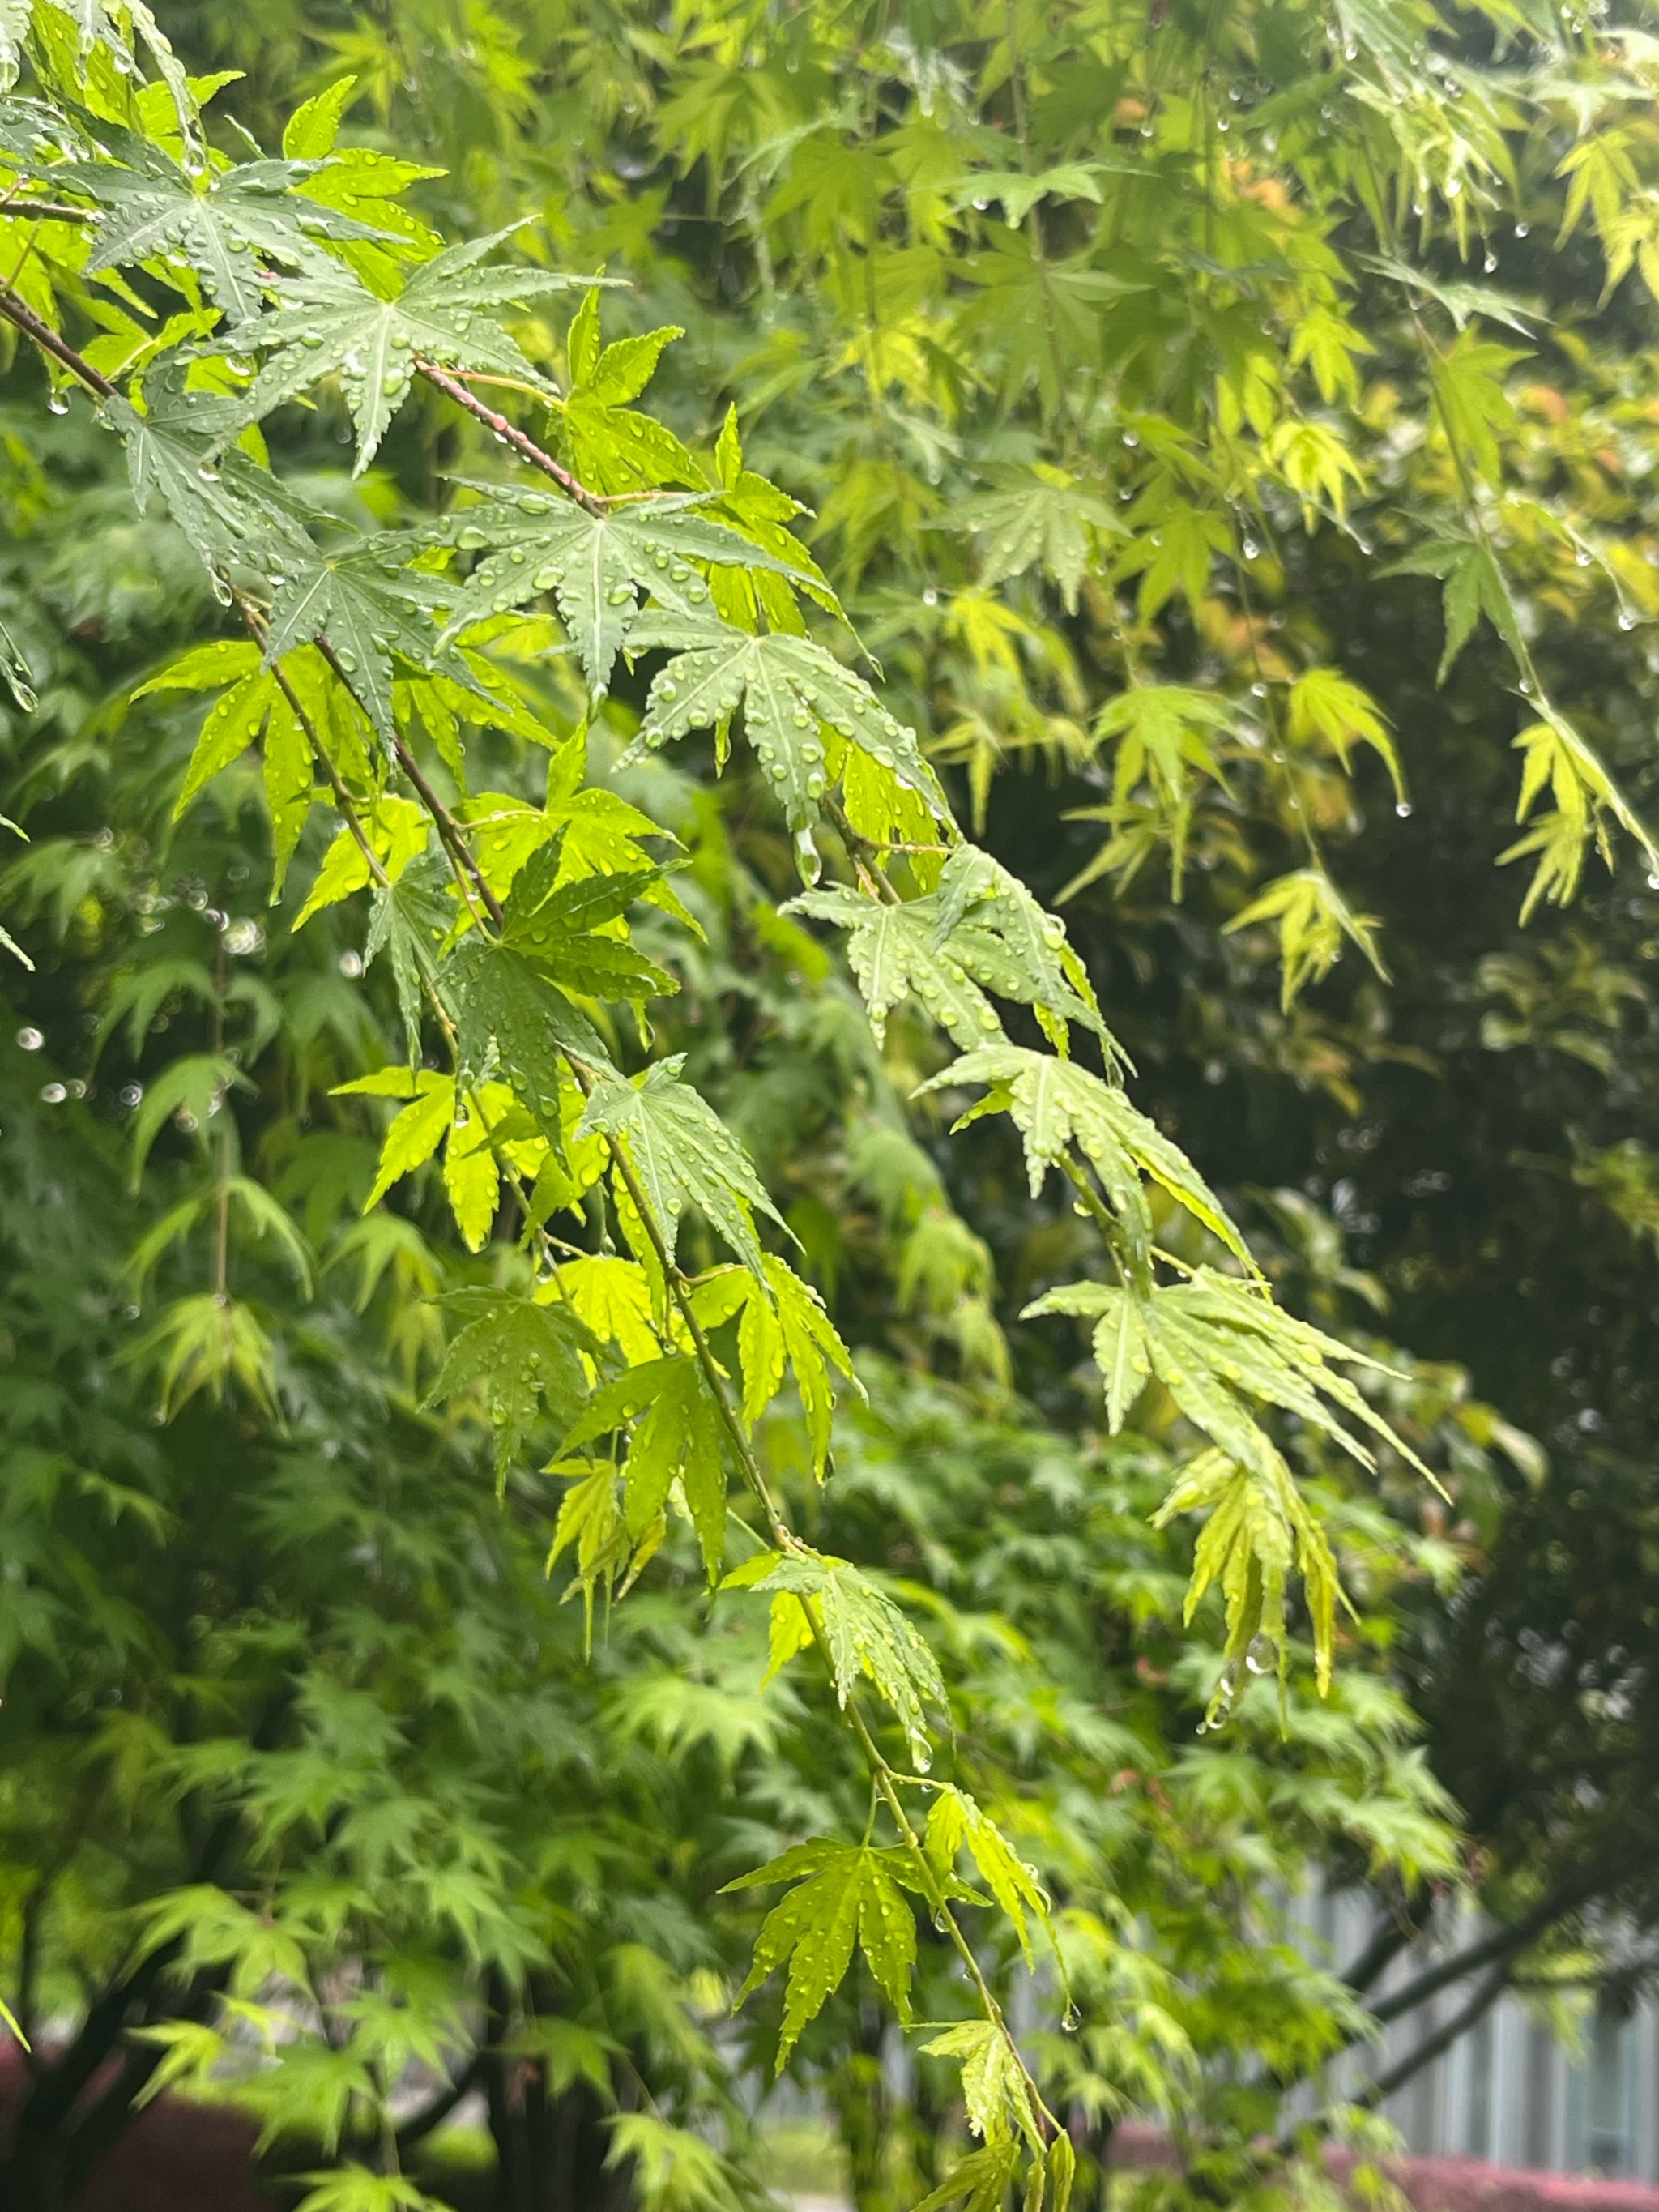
{"x": 1485, "y": 1996}
{"x": 1387, "y": 1939}
{"x": 89, "y": 2136}
{"x": 1502, "y": 1944}
{"x": 419, "y": 2125}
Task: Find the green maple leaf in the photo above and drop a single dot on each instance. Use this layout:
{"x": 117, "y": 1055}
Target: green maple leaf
{"x": 414, "y": 1134}
{"x": 612, "y": 446}
{"x": 981, "y": 2182}
{"x": 894, "y": 954}
{"x": 781, "y": 1322}
{"x": 1475, "y": 409}
{"x": 1011, "y": 946}
{"x": 1260, "y": 1528}
{"x": 255, "y": 708}
{"x": 236, "y": 718}
{"x": 223, "y": 225}
{"x": 994, "y": 2086}
{"x": 677, "y": 1433}
{"x": 172, "y": 453}
{"x": 1220, "y": 1348}
{"x": 517, "y": 1356}
{"x": 979, "y": 932}
{"x": 599, "y": 832}
{"x": 327, "y": 323}
{"x": 370, "y": 604}
{"x": 1030, "y": 311}
{"x": 765, "y": 515}
{"x": 1038, "y": 515}
{"x": 562, "y": 928}
{"x": 869, "y": 1638}
{"x": 233, "y": 512}
{"x": 1019, "y": 192}
{"x": 1164, "y": 736}
{"x": 851, "y": 1894}
{"x": 1475, "y": 586}
{"x": 1314, "y": 919}
{"x": 1055, "y": 1104}
{"x": 595, "y": 565}
{"x": 682, "y": 1154}
{"x": 355, "y": 2188}
{"x": 793, "y": 694}
{"x": 957, "y": 1821}
{"x": 510, "y": 1017}
{"x": 361, "y": 181}
{"x": 110, "y": 24}
{"x": 409, "y": 918}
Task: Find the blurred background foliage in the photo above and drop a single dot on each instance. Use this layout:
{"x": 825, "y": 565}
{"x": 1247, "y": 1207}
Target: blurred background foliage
{"x": 1082, "y": 333}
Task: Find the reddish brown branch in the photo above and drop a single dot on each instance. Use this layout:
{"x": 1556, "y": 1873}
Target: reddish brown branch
{"x": 525, "y": 446}
{"x": 18, "y": 311}
{"x": 47, "y": 211}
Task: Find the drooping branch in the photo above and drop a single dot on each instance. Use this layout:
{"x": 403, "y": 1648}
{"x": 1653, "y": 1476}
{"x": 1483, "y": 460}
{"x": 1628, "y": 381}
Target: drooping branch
{"x": 884, "y": 1778}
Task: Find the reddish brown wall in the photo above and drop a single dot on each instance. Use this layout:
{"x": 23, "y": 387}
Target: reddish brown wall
{"x": 1449, "y": 2184}
{"x": 175, "y": 2157}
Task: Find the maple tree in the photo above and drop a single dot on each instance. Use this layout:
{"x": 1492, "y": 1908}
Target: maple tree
{"x": 623, "y": 1292}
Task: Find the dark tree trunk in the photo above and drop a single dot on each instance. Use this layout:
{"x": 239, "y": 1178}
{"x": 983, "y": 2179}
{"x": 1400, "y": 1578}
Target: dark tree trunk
{"x": 551, "y": 2151}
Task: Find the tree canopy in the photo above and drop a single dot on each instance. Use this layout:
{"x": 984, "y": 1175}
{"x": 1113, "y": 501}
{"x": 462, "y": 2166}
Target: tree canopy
{"x": 760, "y": 759}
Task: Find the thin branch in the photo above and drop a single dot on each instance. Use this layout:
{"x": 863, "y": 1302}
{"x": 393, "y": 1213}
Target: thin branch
{"x": 47, "y": 211}
{"x": 18, "y": 311}
{"x": 1485, "y": 1994}
{"x": 449, "y": 830}
{"x": 1387, "y": 1941}
{"x": 1503, "y": 1944}
{"x": 434, "y": 2113}
{"x": 510, "y": 434}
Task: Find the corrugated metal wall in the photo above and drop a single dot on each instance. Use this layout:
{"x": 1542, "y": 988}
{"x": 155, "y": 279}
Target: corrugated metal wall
{"x": 1508, "y": 2090}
